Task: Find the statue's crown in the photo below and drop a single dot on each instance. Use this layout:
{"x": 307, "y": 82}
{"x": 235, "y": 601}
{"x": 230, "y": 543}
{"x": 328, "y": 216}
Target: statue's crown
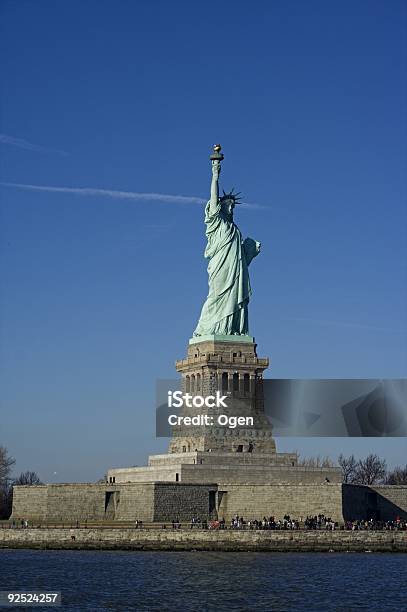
{"x": 231, "y": 195}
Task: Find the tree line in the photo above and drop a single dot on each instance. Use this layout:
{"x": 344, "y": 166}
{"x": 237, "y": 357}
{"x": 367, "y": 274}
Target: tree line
{"x": 368, "y": 471}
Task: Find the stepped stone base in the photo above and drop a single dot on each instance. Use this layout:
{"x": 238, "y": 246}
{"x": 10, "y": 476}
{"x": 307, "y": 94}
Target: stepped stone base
{"x": 225, "y": 468}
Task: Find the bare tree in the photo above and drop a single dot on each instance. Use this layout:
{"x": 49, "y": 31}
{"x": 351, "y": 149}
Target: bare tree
{"x": 348, "y": 465}
{"x": 317, "y": 461}
{"x": 27, "y": 478}
{"x": 370, "y": 470}
{"x": 398, "y": 476}
{"x": 6, "y": 463}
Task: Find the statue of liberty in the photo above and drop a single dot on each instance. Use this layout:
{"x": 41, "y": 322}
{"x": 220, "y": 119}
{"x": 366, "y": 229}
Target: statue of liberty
{"x": 225, "y": 311}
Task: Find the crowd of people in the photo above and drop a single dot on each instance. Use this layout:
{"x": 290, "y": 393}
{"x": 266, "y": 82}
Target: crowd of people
{"x": 372, "y": 525}
{"x": 312, "y": 522}
{"x": 23, "y": 524}
{"x": 320, "y": 521}
{"x": 238, "y": 522}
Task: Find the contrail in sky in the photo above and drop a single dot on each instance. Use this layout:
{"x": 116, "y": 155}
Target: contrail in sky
{"x": 118, "y": 195}
{"x": 29, "y": 146}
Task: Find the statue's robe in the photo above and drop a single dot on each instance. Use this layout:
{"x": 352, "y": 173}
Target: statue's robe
{"x": 225, "y": 310}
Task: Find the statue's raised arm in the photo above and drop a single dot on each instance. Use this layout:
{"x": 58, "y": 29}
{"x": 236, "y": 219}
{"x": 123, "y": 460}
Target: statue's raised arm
{"x": 216, "y": 158}
{"x": 215, "y": 185}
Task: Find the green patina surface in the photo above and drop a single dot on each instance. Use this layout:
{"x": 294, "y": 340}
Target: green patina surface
{"x": 225, "y": 311}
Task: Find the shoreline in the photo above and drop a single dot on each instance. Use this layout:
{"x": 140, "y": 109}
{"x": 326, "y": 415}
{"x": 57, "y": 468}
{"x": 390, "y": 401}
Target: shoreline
{"x": 202, "y": 540}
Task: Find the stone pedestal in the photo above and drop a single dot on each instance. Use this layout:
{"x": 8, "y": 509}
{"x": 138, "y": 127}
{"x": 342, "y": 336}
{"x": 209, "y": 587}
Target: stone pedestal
{"x": 230, "y": 365}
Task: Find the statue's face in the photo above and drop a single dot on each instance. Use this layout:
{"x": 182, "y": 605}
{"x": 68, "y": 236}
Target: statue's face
{"x": 228, "y": 206}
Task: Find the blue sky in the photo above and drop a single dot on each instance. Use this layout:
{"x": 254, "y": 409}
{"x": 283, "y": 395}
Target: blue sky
{"x": 100, "y": 292}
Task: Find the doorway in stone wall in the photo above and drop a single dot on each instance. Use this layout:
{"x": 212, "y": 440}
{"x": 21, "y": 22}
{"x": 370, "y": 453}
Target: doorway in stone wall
{"x": 112, "y": 499}
{"x": 212, "y": 505}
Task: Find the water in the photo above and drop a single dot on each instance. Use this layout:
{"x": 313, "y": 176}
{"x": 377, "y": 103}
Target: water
{"x": 196, "y": 581}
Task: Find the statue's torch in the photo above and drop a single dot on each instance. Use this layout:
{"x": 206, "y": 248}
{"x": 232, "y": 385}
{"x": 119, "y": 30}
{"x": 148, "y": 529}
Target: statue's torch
{"x": 217, "y": 155}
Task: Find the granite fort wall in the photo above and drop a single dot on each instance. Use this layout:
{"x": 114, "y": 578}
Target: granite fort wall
{"x": 256, "y": 501}
{"x": 154, "y": 501}
{"x": 98, "y": 502}
{"x": 59, "y": 502}
{"x": 136, "y": 502}
{"x": 71, "y": 502}
{"x": 225, "y": 541}
{"x": 76, "y": 501}
{"x": 30, "y": 501}
{"x": 184, "y": 502}
{"x": 391, "y": 499}
{"x": 167, "y": 501}
{"x": 382, "y": 502}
